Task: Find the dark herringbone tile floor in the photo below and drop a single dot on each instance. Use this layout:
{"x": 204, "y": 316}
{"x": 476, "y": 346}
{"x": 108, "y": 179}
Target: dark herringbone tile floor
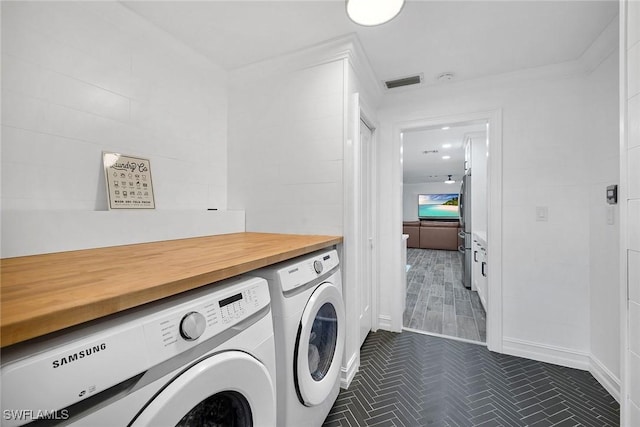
{"x": 411, "y": 379}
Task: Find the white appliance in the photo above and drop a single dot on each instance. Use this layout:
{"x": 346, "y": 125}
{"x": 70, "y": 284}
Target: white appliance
{"x": 204, "y": 357}
{"x": 309, "y": 327}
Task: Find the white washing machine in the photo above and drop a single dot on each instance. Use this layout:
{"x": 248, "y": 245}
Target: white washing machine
{"x": 202, "y": 358}
{"x": 309, "y": 327}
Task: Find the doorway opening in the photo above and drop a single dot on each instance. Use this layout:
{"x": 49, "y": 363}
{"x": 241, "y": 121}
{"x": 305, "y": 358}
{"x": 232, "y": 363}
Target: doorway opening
{"x": 451, "y": 250}
{"x": 442, "y": 291}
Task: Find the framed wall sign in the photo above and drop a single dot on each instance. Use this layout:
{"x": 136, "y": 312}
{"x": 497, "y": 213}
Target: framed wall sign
{"x": 129, "y": 184}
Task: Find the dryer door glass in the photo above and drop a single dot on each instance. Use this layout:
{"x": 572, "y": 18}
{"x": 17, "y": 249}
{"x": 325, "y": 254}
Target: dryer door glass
{"x": 322, "y": 341}
{"x": 319, "y": 346}
{"x": 225, "y": 409}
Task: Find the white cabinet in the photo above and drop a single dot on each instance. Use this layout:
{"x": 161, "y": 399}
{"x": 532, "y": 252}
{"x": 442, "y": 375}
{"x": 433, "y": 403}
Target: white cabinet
{"x": 478, "y": 152}
{"x": 467, "y": 154}
{"x": 480, "y": 269}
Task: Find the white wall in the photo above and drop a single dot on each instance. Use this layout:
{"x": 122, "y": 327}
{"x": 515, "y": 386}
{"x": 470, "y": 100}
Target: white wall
{"x": 82, "y": 77}
{"x": 546, "y": 125}
{"x": 630, "y": 203}
{"x": 410, "y": 196}
{"x": 286, "y": 149}
{"x": 603, "y": 162}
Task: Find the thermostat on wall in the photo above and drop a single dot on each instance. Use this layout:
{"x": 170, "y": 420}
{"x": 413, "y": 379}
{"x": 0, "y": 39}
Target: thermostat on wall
{"x": 612, "y": 194}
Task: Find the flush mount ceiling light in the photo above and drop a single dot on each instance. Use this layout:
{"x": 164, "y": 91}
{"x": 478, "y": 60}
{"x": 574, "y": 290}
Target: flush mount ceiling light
{"x": 449, "y": 181}
{"x": 446, "y": 157}
{"x": 373, "y": 12}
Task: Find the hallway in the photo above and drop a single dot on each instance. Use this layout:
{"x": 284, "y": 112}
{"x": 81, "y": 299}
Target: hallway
{"x": 437, "y": 302}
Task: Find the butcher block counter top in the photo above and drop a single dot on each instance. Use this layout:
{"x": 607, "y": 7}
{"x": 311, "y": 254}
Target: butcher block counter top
{"x": 46, "y": 293}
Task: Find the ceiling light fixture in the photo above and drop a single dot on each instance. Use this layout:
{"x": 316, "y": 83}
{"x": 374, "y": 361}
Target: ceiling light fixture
{"x": 446, "y": 145}
{"x": 446, "y": 127}
{"x": 449, "y": 181}
{"x": 446, "y": 157}
{"x": 373, "y": 12}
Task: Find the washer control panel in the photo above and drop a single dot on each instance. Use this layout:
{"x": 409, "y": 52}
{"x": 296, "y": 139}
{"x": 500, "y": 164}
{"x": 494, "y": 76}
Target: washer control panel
{"x": 306, "y": 270}
{"x": 187, "y": 324}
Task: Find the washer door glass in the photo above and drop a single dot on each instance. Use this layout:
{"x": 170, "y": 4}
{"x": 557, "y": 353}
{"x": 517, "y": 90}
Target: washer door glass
{"x": 224, "y": 409}
{"x": 230, "y": 388}
{"x": 322, "y": 341}
{"x": 320, "y": 345}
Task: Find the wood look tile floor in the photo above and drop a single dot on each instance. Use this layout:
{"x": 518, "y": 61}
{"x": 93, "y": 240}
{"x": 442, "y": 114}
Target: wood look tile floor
{"x": 437, "y": 301}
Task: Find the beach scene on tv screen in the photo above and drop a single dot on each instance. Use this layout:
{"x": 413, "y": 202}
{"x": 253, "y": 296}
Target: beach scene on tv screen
{"x": 438, "y": 206}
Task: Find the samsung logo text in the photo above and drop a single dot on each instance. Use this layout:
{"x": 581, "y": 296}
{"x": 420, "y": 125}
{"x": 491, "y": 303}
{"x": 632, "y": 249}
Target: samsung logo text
{"x": 79, "y": 355}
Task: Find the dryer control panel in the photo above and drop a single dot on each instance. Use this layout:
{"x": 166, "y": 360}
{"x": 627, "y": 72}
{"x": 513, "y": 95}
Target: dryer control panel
{"x": 307, "y": 270}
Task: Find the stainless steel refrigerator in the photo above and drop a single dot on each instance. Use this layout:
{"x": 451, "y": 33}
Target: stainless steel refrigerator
{"x": 464, "y": 201}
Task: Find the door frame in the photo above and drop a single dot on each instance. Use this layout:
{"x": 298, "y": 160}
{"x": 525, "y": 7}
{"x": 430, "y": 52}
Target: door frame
{"x": 366, "y": 117}
{"x": 494, "y": 220}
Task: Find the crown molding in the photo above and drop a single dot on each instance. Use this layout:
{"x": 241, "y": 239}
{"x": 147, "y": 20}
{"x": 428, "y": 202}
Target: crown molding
{"x": 346, "y": 47}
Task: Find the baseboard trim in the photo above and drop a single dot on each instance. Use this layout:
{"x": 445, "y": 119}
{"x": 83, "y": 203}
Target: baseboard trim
{"x": 547, "y": 353}
{"x": 384, "y": 322}
{"x": 605, "y": 377}
{"x": 347, "y": 373}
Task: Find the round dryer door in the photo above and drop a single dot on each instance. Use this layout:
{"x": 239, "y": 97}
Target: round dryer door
{"x": 226, "y": 389}
{"x": 320, "y": 345}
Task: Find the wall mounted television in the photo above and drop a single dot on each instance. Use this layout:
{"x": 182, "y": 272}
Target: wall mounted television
{"x": 438, "y": 206}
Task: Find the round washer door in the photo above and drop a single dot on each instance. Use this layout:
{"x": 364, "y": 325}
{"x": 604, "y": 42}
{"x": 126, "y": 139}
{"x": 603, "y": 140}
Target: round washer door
{"x": 227, "y": 389}
{"x": 320, "y": 345}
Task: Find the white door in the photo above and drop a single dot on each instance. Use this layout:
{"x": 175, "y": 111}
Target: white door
{"x": 228, "y": 388}
{"x": 366, "y": 229}
{"x": 320, "y": 345}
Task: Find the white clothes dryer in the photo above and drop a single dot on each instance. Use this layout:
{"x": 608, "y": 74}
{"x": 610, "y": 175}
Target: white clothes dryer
{"x": 309, "y": 327}
{"x": 201, "y": 358}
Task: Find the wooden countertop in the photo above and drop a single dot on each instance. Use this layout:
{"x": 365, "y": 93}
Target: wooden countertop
{"x": 46, "y": 293}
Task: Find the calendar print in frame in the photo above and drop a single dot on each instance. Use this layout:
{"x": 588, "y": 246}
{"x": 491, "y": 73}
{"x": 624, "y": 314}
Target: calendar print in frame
{"x": 129, "y": 184}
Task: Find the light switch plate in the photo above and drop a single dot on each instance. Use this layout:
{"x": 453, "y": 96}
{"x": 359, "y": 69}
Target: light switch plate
{"x": 610, "y": 215}
{"x": 542, "y": 213}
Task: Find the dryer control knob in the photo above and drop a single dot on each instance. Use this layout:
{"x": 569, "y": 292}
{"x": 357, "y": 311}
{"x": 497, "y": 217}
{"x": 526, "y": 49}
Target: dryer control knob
{"x": 317, "y": 266}
{"x": 192, "y": 326}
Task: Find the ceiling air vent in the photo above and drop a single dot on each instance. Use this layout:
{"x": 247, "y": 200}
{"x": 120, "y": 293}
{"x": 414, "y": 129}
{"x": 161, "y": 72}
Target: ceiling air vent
{"x": 406, "y": 81}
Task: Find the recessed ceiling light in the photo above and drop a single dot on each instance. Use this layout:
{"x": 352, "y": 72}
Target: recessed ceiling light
{"x": 446, "y": 127}
{"x": 446, "y": 157}
{"x": 446, "y": 145}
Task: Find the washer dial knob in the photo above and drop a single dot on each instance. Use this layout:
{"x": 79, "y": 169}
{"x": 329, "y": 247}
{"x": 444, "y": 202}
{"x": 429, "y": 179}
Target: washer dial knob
{"x": 317, "y": 266}
{"x": 192, "y": 326}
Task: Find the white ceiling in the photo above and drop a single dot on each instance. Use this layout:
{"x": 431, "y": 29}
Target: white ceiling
{"x": 419, "y": 166}
{"x": 471, "y": 39}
